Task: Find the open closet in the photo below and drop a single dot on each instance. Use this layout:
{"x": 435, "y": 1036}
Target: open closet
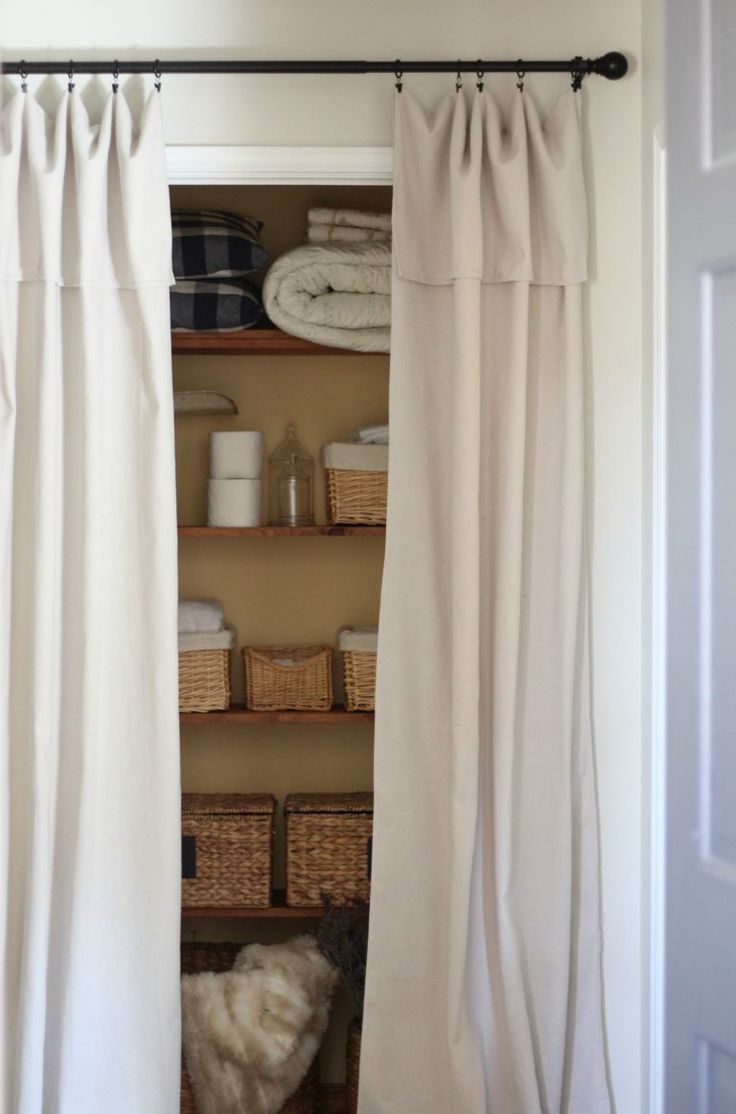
{"x": 278, "y": 585}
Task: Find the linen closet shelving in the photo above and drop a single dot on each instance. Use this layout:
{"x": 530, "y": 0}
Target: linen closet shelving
{"x": 277, "y": 584}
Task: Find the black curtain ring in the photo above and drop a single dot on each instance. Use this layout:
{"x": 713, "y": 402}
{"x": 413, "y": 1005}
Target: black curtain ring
{"x": 459, "y": 78}
{"x": 398, "y": 74}
{"x": 577, "y": 71}
{"x": 157, "y": 75}
{"x": 23, "y": 76}
{"x": 480, "y": 74}
{"x": 520, "y": 74}
{"x": 115, "y": 77}
{"x": 70, "y": 76}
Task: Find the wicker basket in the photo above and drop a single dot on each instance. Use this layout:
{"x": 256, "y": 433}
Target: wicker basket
{"x": 328, "y": 846}
{"x": 227, "y": 849}
{"x": 359, "y": 673}
{"x": 306, "y": 686}
{"x": 356, "y": 498}
{"x": 196, "y": 958}
{"x": 204, "y": 680}
{"x": 352, "y": 1068}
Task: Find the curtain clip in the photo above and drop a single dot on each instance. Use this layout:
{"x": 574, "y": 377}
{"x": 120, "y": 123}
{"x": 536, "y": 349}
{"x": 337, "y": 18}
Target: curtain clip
{"x": 70, "y": 76}
{"x": 116, "y": 77}
{"x": 23, "y": 76}
{"x": 157, "y": 75}
{"x": 577, "y": 71}
{"x": 480, "y": 74}
{"x": 459, "y": 78}
{"x": 520, "y": 75}
{"x": 398, "y": 74}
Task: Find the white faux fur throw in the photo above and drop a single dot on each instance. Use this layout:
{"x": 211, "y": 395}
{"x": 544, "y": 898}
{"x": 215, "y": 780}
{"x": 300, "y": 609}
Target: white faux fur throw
{"x": 333, "y": 294}
{"x": 250, "y": 1035}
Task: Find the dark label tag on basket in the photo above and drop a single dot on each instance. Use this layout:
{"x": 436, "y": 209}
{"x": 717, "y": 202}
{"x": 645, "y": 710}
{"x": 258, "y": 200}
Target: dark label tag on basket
{"x": 189, "y": 856}
{"x": 370, "y": 856}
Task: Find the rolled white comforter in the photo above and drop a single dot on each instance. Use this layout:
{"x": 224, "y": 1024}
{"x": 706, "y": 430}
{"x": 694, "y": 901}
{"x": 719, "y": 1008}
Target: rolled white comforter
{"x": 333, "y": 294}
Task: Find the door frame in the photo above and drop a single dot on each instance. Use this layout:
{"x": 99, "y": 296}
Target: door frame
{"x": 657, "y": 726}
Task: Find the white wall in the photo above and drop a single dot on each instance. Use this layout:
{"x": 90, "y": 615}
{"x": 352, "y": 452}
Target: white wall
{"x": 357, "y": 110}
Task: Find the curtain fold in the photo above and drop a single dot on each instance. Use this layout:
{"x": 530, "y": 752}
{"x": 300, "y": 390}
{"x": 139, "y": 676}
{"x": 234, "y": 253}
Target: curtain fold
{"x": 484, "y": 983}
{"x": 89, "y": 757}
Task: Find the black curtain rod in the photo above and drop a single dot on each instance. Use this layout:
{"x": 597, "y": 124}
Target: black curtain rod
{"x": 612, "y": 65}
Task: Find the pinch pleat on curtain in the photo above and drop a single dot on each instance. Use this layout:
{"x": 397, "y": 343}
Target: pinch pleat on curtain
{"x": 484, "y": 977}
{"x": 89, "y": 756}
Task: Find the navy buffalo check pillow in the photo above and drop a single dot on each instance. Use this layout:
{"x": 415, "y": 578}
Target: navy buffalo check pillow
{"x": 216, "y": 306}
{"x": 207, "y": 243}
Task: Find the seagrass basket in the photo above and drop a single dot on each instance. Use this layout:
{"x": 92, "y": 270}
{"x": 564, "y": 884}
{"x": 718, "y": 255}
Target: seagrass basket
{"x": 328, "y": 846}
{"x": 227, "y": 849}
{"x": 196, "y": 958}
{"x": 352, "y": 1068}
{"x": 359, "y": 675}
{"x": 204, "y": 680}
{"x": 273, "y": 686}
{"x": 355, "y": 497}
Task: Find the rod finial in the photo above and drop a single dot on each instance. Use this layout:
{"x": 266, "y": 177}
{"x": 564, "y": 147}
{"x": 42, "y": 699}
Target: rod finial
{"x": 613, "y": 65}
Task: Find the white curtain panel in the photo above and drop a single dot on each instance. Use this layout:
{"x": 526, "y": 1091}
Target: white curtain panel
{"x": 89, "y": 764}
{"x": 484, "y": 976}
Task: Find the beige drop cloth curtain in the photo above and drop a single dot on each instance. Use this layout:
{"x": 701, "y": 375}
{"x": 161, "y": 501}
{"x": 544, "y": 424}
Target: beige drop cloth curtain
{"x": 90, "y": 852}
{"x": 484, "y": 984}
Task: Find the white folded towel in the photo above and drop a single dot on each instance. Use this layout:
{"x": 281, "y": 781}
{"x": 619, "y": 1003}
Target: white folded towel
{"x": 322, "y": 233}
{"x": 350, "y": 218}
{"x": 355, "y": 458}
{"x": 369, "y": 435}
{"x": 206, "y": 640}
{"x": 201, "y": 615}
{"x": 361, "y": 639}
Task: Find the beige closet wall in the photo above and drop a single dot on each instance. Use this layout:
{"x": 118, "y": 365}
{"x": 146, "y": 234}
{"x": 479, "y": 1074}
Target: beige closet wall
{"x": 357, "y": 110}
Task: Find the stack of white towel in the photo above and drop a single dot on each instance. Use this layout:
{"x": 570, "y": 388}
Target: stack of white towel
{"x": 347, "y": 226}
{"x": 236, "y": 463}
{"x": 202, "y": 626}
{"x": 369, "y": 435}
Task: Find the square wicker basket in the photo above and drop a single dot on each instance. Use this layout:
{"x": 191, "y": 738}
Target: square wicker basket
{"x": 356, "y": 498}
{"x": 359, "y": 677}
{"x": 197, "y": 958}
{"x": 204, "y": 680}
{"x": 227, "y": 849}
{"x": 272, "y": 686}
{"x": 328, "y": 846}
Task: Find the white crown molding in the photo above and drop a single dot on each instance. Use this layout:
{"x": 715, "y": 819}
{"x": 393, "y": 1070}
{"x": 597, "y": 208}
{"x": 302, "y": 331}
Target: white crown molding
{"x": 242, "y": 166}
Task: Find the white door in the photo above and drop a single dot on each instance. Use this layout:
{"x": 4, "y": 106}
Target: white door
{"x": 700, "y": 953}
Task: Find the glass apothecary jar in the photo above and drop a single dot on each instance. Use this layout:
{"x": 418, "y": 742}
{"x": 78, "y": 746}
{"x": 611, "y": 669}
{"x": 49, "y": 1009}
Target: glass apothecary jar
{"x": 291, "y": 483}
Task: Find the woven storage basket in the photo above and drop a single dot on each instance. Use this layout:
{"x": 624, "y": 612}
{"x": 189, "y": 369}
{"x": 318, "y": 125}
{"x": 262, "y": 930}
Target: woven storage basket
{"x": 359, "y": 673}
{"x": 352, "y": 1068}
{"x": 306, "y": 686}
{"x": 204, "y": 680}
{"x": 356, "y": 498}
{"x": 227, "y": 849}
{"x": 196, "y": 958}
{"x": 328, "y": 846}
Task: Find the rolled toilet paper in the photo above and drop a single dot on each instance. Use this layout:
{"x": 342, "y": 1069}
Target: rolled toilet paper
{"x": 236, "y": 455}
{"x": 234, "y": 503}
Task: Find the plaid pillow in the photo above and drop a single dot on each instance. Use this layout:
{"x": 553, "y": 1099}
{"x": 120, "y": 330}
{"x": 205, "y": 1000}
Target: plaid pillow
{"x": 207, "y": 306}
{"x": 211, "y": 244}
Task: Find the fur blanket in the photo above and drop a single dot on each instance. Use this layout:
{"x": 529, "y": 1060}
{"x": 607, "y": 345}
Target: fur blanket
{"x": 333, "y": 294}
{"x": 250, "y": 1035}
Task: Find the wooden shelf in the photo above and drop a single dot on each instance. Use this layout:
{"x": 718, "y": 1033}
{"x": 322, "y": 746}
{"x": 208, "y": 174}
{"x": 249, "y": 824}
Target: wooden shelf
{"x": 238, "y": 713}
{"x": 278, "y": 911}
{"x": 282, "y": 531}
{"x": 254, "y": 342}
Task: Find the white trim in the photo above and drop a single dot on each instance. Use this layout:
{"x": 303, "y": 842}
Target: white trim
{"x": 658, "y": 620}
{"x": 242, "y": 166}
